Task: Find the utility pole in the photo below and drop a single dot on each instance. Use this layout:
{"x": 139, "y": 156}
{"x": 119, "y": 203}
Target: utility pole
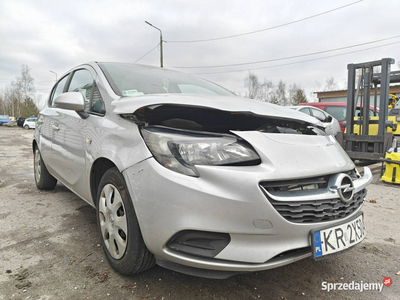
{"x": 161, "y": 42}
{"x": 53, "y": 73}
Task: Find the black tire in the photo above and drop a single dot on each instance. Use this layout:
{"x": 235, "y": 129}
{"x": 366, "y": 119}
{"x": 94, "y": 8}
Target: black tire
{"x": 26, "y": 127}
{"x": 135, "y": 257}
{"x": 44, "y": 180}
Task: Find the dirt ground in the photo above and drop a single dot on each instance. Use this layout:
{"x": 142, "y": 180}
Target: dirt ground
{"x": 50, "y": 249}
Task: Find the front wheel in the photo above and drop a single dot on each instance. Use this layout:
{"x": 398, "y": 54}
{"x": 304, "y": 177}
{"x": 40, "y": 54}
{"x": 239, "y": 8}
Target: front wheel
{"x": 26, "y": 127}
{"x": 118, "y": 226}
{"x": 44, "y": 180}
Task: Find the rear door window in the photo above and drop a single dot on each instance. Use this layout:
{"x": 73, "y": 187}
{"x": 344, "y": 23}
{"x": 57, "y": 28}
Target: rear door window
{"x": 305, "y": 110}
{"x": 338, "y": 112}
{"x": 318, "y": 114}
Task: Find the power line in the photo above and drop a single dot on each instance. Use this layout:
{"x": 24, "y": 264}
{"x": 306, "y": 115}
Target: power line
{"x": 293, "y": 63}
{"x": 266, "y": 29}
{"x": 41, "y": 81}
{"x": 284, "y": 58}
{"x": 146, "y": 53}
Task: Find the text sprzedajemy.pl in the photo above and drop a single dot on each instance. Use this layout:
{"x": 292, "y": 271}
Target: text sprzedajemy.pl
{"x": 352, "y": 286}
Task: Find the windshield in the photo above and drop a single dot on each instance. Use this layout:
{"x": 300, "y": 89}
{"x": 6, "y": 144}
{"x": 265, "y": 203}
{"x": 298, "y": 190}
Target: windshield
{"x": 130, "y": 80}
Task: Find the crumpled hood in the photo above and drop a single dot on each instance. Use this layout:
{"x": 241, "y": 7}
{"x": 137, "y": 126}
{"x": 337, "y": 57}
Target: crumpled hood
{"x": 128, "y": 105}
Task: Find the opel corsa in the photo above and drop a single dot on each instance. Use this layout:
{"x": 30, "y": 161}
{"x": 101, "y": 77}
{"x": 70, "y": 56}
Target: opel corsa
{"x": 187, "y": 175}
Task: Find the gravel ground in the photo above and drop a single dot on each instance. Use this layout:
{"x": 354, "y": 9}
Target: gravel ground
{"x": 50, "y": 249}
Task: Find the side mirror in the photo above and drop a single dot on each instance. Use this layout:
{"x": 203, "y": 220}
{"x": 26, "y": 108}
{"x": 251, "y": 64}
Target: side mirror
{"x": 329, "y": 119}
{"x": 72, "y": 101}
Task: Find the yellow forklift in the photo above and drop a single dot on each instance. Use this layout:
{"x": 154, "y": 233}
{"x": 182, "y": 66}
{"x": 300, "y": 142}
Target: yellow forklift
{"x": 376, "y": 137}
{"x": 391, "y": 172}
{"x": 393, "y": 100}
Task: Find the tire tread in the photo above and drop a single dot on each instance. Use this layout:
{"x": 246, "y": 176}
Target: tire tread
{"x": 47, "y": 181}
{"x": 137, "y": 257}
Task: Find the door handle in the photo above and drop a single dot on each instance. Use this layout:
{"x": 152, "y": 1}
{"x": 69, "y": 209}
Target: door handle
{"x": 55, "y": 127}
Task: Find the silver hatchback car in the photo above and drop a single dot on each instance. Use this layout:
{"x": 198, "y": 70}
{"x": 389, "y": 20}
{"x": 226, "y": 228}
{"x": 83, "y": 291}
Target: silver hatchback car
{"x": 185, "y": 174}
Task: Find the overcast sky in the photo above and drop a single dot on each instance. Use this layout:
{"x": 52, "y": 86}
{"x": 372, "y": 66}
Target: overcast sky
{"x": 58, "y": 35}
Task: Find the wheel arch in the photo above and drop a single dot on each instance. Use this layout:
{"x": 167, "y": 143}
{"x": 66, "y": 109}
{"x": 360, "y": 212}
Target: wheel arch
{"x": 99, "y": 167}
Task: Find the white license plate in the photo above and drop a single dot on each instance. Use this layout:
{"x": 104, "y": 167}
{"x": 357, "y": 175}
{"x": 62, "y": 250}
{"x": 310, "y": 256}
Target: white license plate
{"x": 338, "y": 238}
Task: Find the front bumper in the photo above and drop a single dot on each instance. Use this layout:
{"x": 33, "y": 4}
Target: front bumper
{"x": 225, "y": 200}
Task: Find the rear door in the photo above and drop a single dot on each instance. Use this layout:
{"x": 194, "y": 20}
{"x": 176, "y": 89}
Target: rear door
{"x": 46, "y": 126}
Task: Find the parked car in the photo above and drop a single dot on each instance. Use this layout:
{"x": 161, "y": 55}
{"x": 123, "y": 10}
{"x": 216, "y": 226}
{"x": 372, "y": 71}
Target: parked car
{"x": 20, "y": 122}
{"x": 4, "y": 119}
{"x": 332, "y": 125}
{"x": 30, "y": 123}
{"x": 338, "y": 110}
{"x": 185, "y": 174}
{"x": 10, "y": 124}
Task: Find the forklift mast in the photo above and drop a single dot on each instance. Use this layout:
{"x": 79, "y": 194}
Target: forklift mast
{"x": 361, "y": 145}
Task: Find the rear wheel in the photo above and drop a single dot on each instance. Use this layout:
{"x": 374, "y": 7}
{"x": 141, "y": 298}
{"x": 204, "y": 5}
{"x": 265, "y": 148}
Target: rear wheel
{"x": 118, "y": 226}
{"x": 44, "y": 180}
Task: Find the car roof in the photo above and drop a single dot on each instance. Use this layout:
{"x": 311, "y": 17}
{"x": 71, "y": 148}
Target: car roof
{"x": 309, "y": 106}
{"x": 323, "y": 104}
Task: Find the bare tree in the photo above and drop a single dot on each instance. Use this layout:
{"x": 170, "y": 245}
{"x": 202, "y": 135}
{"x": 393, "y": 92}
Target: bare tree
{"x": 297, "y": 95}
{"x": 274, "y": 99}
{"x": 257, "y": 89}
{"x": 281, "y": 93}
{"x": 292, "y": 92}
{"x": 266, "y": 91}
{"x": 331, "y": 84}
{"x": 17, "y": 99}
{"x": 253, "y": 85}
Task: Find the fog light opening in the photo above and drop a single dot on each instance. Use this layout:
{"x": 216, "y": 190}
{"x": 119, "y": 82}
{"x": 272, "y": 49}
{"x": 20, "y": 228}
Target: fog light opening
{"x": 200, "y": 243}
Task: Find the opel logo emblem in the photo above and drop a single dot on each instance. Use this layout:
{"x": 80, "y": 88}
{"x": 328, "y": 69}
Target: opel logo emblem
{"x": 344, "y": 187}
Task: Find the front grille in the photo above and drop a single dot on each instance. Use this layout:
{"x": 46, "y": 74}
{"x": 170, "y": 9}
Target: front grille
{"x": 296, "y": 185}
{"x": 317, "y": 210}
{"x": 314, "y": 183}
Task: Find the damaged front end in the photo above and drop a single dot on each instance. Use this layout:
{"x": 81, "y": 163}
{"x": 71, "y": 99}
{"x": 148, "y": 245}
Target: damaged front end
{"x": 182, "y": 136}
{"x": 198, "y": 118}
{"x": 237, "y": 173}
